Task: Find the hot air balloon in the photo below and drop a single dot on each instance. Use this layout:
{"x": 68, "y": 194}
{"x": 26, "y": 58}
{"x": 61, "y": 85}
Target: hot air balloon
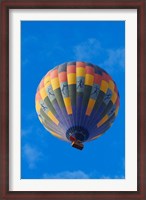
{"x": 77, "y": 102}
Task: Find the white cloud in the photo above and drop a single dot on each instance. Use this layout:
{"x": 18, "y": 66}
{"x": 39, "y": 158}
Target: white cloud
{"x": 32, "y": 155}
{"x": 68, "y": 175}
{"x": 79, "y": 175}
{"x": 92, "y": 49}
{"x": 87, "y": 50}
{"x": 115, "y": 59}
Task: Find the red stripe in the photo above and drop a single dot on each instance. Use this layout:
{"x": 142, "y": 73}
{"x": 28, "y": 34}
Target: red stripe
{"x": 62, "y": 77}
{"x": 71, "y": 69}
{"x": 80, "y": 64}
{"x": 117, "y": 102}
{"x": 38, "y": 96}
{"x": 97, "y": 79}
{"x": 41, "y": 85}
{"x": 106, "y": 77}
{"x": 89, "y": 70}
{"x": 115, "y": 89}
{"x": 54, "y": 73}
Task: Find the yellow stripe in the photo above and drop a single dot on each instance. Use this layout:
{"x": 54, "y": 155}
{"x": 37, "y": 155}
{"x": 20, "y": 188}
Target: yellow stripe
{"x": 89, "y": 79}
{"x": 47, "y": 84}
{"x": 80, "y": 71}
{"x": 43, "y": 93}
{"x": 55, "y": 134}
{"x": 47, "y": 80}
{"x": 114, "y": 97}
{"x": 90, "y": 106}
{"x": 38, "y": 106}
{"x": 111, "y": 85}
{"x": 116, "y": 111}
{"x": 55, "y": 83}
{"x": 71, "y": 78}
{"x": 53, "y": 118}
{"x": 102, "y": 121}
{"x": 104, "y": 86}
{"x": 67, "y": 103}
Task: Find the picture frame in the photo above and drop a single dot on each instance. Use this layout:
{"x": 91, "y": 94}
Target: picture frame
{"x": 5, "y": 106}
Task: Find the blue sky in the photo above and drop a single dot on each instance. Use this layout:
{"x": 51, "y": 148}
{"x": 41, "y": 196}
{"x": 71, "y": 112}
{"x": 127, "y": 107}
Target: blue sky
{"x": 45, "y": 44}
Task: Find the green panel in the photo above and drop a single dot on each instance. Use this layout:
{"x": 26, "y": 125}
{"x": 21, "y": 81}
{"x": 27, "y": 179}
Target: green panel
{"x": 87, "y": 92}
{"x": 49, "y": 104}
{"x": 72, "y": 93}
{"x": 80, "y": 80}
{"x": 46, "y": 117}
{"x": 59, "y": 98}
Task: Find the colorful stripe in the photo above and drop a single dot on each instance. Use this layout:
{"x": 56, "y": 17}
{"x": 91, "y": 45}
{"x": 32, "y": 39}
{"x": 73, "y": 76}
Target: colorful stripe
{"x": 102, "y": 121}
{"x": 90, "y": 106}
{"x": 68, "y": 105}
{"x": 55, "y": 83}
{"x": 89, "y": 79}
{"x": 53, "y": 118}
{"x": 71, "y": 78}
{"x": 104, "y": 86}
{"x": 77, "y": 94}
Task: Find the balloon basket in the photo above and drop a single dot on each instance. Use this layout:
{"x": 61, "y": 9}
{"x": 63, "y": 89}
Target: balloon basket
{"x": 77, "y": 145}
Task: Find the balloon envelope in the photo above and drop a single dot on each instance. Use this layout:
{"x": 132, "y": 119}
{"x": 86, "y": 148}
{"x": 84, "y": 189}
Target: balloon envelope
{"x": 77, "y": 101}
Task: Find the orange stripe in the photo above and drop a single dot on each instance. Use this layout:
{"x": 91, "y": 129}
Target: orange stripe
{"x": 116, "y": 90}
{"x": 89, "y": 70}
{"x": 117, "y": 102}
{"x": 91, "y": 104}
{"x": 80, "y": 64}
{"x": 114, "y": 97}
{"x": 69, "y": 110}
{"x": 97, "y": 79}
{"x": 41, "y": 85}
{"x": 71, "y": 69}
{"x": 38, "y": 96}
{"x": 54, "y": 73}
{"x": 106, "y": 77}
{"x": 62, "y": 77}
{"x": 67, "y": 103}
{"x": 102, "y": 121}
{"x": 89, "y": 79}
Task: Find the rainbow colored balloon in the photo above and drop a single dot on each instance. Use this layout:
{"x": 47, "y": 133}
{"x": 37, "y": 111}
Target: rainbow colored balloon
{"x": 77, "y": 102}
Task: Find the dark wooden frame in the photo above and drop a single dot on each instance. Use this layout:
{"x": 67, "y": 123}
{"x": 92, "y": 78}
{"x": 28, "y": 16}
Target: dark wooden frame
{"x": 140, "y": 5}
